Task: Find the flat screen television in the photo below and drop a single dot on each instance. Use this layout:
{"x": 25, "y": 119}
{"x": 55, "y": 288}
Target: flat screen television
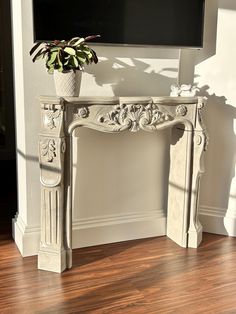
{"x": 176, "y": 23}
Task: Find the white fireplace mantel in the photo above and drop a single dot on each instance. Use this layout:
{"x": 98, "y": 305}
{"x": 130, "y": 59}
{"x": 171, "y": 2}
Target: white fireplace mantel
{"x": 61, "y": 116}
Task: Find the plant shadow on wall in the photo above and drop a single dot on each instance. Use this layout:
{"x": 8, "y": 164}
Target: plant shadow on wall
{"x": 134, "y": 77}
{"x": 126, "y": 159}
{"x": 220, "y": 158}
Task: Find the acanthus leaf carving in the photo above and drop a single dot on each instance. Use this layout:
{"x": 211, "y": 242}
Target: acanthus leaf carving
{"x": 48, "y": 150}
{"x": 134, "y": 117}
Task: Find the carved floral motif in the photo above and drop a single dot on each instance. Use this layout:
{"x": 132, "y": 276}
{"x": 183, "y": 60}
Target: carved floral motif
{"x": 134, "y": 117}
{"x": 81, "y": 113}
{"x": 48, "y": 150}
{"x": 181, "y": 110}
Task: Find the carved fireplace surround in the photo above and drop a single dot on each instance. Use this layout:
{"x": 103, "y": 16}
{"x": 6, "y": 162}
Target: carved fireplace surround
{"x": 60, "y": 117}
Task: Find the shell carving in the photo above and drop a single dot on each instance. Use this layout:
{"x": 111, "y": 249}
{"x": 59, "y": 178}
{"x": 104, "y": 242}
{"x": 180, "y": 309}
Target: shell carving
{"x": 134, "y": 117}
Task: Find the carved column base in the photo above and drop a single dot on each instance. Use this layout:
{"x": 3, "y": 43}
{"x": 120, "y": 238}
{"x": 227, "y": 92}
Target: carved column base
{"x": 54, "y": 261}
{"x": 195, "y": 237}
{"x": 177, "y": 235}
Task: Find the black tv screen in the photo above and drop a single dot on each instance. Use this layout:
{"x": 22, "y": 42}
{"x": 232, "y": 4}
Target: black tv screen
{"x": 126, "y": 22}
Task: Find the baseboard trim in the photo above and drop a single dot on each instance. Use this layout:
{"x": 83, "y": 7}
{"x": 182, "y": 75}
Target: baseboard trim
{"x": 217, "y": 220}
{"x": 26, "y": 237}
{"x": 119, "y": 227}
{"x": 96, "y": 230}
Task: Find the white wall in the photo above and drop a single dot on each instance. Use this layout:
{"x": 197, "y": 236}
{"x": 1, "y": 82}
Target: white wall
{"x": 120, "y": 187}
{"x": 120, "y": 191}
{"x": 215, "y": 75}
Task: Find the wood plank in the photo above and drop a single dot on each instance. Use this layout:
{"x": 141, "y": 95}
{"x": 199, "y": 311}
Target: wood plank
{"x": 143, "y": 276}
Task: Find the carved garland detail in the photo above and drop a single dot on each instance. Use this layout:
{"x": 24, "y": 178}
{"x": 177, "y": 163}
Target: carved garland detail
{"x": 52, "y": 116}
{"x": 134, "y": 117}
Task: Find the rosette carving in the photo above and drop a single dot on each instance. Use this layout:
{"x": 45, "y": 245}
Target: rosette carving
{"x": 81, "y": 113}
{"x": 181, "y": 110}
{"x": 134, "y": 117}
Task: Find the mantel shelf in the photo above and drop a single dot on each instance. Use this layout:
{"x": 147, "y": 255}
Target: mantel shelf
{"x": 172, "y": 101}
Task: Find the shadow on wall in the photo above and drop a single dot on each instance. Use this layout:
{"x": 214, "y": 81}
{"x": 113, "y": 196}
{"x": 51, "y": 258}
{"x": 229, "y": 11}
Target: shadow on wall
{"x": 134, "y": 77}
{"x": 210, "y": 27}
{"x": 227, "y": 4}
{"x": 124, "y": 171}
{"x": 220, "y": 157}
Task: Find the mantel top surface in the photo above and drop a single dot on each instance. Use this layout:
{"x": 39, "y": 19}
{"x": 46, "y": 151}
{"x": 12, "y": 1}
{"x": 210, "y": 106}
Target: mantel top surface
{"x": 109, "y": 100}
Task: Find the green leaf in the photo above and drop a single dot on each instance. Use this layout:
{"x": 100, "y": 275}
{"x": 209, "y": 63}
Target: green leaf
{"x": 34, "y": 48}
{"x": 52, "y": 58}
{"x": 78, "y": 42}
{"x": 51, "y": 70}
{"x": 59, "y": 59}
{"x": 92, "y": 37}
{"x": 86, "y": 50}
{"x": 95, "y": 58}
{"x": 74, "y": 39}
{"x": 90, "y": 56}
{"x": 38, "y": 54}
{"x": 71, "y": 51}
{"x": 54, "y": 49}
{"x": 60, "y": 65}
{"x": 39, "y": 57}
{"x": 81, "y": 56}
{"x": 76, "y": 63}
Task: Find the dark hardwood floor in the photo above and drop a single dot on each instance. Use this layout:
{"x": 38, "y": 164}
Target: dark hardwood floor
{"x": 142, "y": 276}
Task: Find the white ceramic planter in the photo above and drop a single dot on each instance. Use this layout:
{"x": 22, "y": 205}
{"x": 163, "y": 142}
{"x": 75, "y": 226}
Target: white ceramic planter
{"x": 67, "y": 83}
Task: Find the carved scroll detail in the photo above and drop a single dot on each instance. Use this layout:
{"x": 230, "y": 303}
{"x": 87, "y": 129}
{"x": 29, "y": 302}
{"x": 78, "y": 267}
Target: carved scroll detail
{"x": 48, "y": 150}
{"x": 200, "y": 122}
{"x": 198, "y": 139}
{"x": 134, "y": 117}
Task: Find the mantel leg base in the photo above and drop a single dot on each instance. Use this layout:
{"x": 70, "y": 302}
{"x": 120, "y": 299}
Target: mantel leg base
{"x": 68, "y": 258}
{"x": 195, "y": 237}
{"x": 178, "y": 236}
{"x": 52, "y": 261}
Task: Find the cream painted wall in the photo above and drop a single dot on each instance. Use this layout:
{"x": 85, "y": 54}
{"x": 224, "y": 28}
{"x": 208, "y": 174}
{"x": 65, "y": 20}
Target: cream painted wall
{"x": 120, "y": 178}
{"x": 115, "y": 185}
{"x": 215, "y": 69}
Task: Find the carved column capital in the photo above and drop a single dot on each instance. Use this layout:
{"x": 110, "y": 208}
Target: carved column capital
{"x": 52, "y": 116}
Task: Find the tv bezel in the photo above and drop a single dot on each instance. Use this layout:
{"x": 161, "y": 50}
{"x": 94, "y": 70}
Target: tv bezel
{"x": 135, "y": 45}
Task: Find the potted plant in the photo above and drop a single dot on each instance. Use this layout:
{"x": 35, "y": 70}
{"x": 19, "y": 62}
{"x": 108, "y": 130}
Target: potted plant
{"x": 66, "y": 60}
